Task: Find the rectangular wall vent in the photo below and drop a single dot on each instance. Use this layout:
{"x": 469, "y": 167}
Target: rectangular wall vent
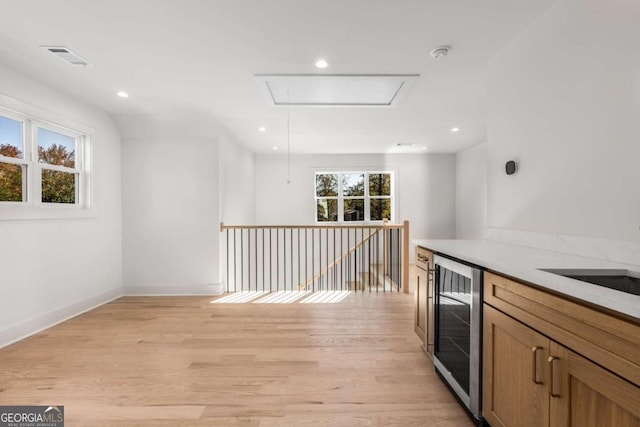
{"x": 68, "y": 56}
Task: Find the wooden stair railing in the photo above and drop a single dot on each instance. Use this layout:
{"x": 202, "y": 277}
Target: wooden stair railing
{"x": 256, "y": 260}
{"x": 339, "y": 259}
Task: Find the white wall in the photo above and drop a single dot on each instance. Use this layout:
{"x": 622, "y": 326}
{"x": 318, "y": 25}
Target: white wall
{"x": 471, "y": 193}
{"x": 424, "y": 185}
{"x": 181, "y": 175}
{"x": 170, "y": 204}
{"x": 170, "y": 212}
{"x": 237, "y": 182}
{"x": 564, "y": 101}
{"x": 53, "y": 269}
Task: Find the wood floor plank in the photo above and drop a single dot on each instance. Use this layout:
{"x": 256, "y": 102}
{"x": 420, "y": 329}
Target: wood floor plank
{"x": 164, "y": 361}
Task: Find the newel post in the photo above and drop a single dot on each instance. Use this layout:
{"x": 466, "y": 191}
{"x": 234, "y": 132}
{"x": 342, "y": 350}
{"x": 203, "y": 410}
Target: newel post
{"x": 385, "y": 247}
{"x": 405, "y": 256}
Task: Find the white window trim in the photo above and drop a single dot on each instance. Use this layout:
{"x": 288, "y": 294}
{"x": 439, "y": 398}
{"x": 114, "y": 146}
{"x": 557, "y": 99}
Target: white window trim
{"x": 33, "y": 207}
{"x": 340, "y": 197}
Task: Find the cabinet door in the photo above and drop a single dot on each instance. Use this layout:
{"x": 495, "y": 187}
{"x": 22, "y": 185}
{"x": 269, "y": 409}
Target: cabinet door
{"x": 421, "y": 303}
{"x": 514, "y": 372}
{"x": 585, "y": 395}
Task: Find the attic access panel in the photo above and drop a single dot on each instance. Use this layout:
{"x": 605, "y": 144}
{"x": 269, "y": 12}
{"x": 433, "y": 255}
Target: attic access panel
{"x": 335, "y": 90}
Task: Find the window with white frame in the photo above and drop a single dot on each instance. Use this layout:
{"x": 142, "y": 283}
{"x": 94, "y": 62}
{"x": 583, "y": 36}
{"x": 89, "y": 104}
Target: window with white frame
{"x": 41, "y": 164}
{"x": 353, "y": 196}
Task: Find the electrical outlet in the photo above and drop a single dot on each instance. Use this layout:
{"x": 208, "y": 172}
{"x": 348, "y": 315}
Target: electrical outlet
{"x": 109, "y": 275}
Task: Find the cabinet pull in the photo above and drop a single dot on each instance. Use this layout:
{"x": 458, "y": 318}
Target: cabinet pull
{"x": 535, "y": 363}
{"x": 555, "y": 381}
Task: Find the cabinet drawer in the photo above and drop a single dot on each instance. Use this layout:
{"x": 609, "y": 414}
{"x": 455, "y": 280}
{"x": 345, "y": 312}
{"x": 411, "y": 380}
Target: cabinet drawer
{"x": 612, "y": 342}
{"x": 424, "y": 258}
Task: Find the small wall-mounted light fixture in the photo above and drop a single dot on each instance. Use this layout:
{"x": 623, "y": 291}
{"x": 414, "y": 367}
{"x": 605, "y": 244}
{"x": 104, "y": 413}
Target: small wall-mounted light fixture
{"x": 510, "y": 167}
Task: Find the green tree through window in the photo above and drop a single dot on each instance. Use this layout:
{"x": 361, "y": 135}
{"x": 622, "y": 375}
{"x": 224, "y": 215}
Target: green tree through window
{"x": 353, "y": 196}
{"x": 42, "y": 163}
{"x": 57, "y": 186}
{"x": 380, "y": 193}
{"x": 11, "y": 176}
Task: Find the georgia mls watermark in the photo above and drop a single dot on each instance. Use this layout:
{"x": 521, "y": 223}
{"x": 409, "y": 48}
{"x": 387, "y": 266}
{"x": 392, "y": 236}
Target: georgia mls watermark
{"x": 31, "y": 416}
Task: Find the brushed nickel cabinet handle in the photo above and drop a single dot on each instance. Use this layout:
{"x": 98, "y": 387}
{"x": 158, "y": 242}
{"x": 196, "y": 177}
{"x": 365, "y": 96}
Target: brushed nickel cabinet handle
{"x": 555, "y": 381}
{"x": 535, "y": 363}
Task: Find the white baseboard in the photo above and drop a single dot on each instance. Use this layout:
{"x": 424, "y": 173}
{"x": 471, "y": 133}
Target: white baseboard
{"x": 30, "y": 327}
{"x": 174, "y": 290}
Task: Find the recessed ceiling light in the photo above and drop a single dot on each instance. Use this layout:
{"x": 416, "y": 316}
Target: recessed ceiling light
{"x": 321, "y": 63}
{"x": 262, "y": 129}
{"x": 123, "y": 94}
{"x": 274, "y": 148}
{"x": 455, "y": 129}
{"x": 424, "y": 148}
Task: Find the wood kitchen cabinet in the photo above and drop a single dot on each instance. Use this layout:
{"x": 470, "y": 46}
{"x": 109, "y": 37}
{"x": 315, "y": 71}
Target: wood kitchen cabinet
{"x": 530, "y": 379}
{"x": 513, "y": 372}
{"x": 423, "y": 324}
{"x": 586, "y": 395}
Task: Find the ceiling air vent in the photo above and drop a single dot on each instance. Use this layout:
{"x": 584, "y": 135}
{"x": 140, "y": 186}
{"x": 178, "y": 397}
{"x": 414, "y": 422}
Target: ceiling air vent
{"x": 67, "y": 55}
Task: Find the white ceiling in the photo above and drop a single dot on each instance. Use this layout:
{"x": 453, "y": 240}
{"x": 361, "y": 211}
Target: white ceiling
{"x": 199, "y": 56}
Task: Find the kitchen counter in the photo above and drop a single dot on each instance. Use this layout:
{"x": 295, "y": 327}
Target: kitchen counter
{"x": 524, "y": 263}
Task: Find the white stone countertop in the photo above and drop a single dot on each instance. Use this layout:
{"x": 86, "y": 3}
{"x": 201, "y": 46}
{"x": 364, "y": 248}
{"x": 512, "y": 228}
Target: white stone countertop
{"x": 524, "y": 263}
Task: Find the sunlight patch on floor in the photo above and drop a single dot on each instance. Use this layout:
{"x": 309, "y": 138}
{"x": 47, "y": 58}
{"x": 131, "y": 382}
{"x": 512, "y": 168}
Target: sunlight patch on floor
{"x": 325, "y": 297}
{"x": 283, "y": 297}
{"x": 239, "y": 297}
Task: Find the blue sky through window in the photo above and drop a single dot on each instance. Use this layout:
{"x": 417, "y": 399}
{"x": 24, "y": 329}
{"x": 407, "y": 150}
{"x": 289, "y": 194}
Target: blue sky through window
{"x": 353, "y": 184}
{"x": 47, "y": 138}
{"x": 11, "y": 132}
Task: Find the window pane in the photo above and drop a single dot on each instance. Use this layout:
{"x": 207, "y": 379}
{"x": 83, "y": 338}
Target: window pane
{"x": 380, "y": 209}
{"x": 354, "y": 209}
{"x": 56, "y": 149}
{"x": 327, "y": 210}
{"x": 326, "y": 185}
{"x": 379, "y": 184}
{"x": 11, "y": 179}
{"x": 58, "y": 187}
{"x": 10, "y": 137}
{"x": 353, "y": 184}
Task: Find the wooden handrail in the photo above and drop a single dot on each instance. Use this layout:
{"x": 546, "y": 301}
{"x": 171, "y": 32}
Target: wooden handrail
{"x": 223, "y": 226}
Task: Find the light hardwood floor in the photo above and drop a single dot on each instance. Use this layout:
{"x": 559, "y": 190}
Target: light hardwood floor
{"x": 165, "y": 361}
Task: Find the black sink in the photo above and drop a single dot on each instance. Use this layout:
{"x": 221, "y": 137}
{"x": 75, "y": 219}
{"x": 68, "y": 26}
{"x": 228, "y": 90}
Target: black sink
{"x": 620, "y": 280}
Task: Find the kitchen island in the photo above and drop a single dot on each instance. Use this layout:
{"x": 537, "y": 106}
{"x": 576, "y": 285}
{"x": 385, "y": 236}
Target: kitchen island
{"x": 556, "y": 351}
{"x": 524, "y": 264}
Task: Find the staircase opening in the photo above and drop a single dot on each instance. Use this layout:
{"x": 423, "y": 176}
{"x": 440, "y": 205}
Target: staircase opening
{"x": 284, "y": 264}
